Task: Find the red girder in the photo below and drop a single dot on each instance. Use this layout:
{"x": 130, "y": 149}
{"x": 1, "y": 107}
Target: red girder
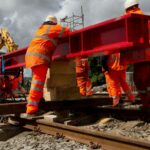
{"x": 124, "y": 33}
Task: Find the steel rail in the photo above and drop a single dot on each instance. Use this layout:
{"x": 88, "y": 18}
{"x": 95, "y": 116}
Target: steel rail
{"x": 94, "y": 106}
{"x": 19, "y": 107}
{"x": 106, "y": 141}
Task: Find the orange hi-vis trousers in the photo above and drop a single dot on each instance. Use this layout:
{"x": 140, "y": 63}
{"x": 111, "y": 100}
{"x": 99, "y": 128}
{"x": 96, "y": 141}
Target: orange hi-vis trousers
{"x": 83, "y": 81}
{"x": 85, "y": 86}
{"x": 116, "y": 82}
{"x": 36, "y": 90}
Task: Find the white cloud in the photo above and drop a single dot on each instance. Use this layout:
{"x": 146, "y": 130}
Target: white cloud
{"x": 22, "y": 17}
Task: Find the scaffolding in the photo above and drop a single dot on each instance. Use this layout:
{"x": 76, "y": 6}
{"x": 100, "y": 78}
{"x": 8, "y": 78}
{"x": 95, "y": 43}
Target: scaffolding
{"x": 74, "y": 22}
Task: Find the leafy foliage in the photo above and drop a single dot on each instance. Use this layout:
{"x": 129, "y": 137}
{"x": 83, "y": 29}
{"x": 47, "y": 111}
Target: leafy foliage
{"x": 96, "y": 75}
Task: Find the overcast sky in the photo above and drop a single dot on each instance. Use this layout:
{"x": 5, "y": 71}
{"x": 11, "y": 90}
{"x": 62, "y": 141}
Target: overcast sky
{"x": 22, "y": 17}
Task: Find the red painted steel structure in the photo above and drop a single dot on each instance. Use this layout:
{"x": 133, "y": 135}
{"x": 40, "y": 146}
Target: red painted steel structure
{"x": 124, "y": 33}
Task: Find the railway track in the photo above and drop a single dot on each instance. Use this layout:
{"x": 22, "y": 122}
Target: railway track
{"x": 15, "y": 107}
{"x": 96, "y": 107}
{"x": 92, "y": 138}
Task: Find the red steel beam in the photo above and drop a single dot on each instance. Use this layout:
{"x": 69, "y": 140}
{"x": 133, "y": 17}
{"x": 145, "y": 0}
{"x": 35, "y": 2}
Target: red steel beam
{"x": 119, "y": 34}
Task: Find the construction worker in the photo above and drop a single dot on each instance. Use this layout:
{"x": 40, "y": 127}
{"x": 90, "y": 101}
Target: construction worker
{"x": 115, "y": 74}
{"x": 83, "y": 81}
{"x": 10, "y": 85}
{"x": 141, "y": 70}
{"x": 12, "y": 80}
{"x": 16, "y": 85}
{"x": 38, "y": 57}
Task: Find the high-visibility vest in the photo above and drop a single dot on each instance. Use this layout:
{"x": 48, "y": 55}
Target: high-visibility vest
{"x": 141, "y": 54}
{"x": 136, "y": 11}
{"x": 81, "y": 61}
{"x": 114, "y": 62}
{"x": 82, "y": 66}
{"x": 43, "y": 44}
{"x": 16, "y": 82}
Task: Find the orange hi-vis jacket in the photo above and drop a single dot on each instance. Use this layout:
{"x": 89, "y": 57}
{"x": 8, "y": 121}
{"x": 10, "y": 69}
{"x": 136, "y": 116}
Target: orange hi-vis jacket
{"x": 43, "y": 44}
{"x": 82, "y": 66}
{"x": 139, "y": 11}
{"x": 135, "y": 10}
{"x": 144, "y": 53}
{"x": 16, "y": 82}
{"x": 142, "y": 70}
{"x": 114, "y": 62}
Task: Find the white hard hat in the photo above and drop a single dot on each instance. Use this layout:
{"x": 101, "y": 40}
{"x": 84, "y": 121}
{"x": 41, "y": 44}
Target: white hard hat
{"x": 51, "y": 18}
{"x": 130, "y": 3}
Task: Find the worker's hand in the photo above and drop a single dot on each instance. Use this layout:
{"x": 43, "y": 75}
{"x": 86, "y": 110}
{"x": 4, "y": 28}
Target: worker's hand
{"x": 106, "y": 72}
{"x": 23, "y": 91}
{"x": 103, "y": 70}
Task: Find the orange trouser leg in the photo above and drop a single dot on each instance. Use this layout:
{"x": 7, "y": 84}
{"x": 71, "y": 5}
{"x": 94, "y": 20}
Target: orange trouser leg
{"x": 88, "y": 87}
{"x": 85, "y": 86}
{"x": 36, "y": 90}
{"x": 81, "y": 76}
{"x": 125, "y": 86}
{"x": 113, "y": 85}
{"x": 81, "y": 83}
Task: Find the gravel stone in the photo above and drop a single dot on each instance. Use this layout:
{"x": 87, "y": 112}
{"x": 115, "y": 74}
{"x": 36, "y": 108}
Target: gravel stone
{"x": 14, "y": 138}
{"x": 29, "y": 140}
{"x": 134, "y": 129}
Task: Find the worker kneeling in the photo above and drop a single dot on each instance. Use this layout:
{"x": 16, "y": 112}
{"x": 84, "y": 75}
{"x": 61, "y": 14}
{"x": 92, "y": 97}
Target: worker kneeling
{"x": 10, "y": 86}
{"x": 38, "y": 57}
{"x": 16, "y": 87}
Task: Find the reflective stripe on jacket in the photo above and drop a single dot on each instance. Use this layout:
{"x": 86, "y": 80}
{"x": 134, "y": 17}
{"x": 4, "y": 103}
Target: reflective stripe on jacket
{"x": 42, "y": 46}
{"x": 82, "y": 67}
{"x": 135, "y": 10}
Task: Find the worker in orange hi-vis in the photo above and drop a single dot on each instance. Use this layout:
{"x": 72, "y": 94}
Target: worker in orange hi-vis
{"x": 83, "y": 81}
{"x": 38, "y": 57}
{"x": 115, "y": 74}
{"x": 142, "y": 69}
{"x": 16, "y": 85}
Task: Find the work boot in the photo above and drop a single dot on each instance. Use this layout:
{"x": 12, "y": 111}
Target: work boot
{"x": 82, "y": 93}
{"x": 36, "y": 115}
{"x": 132, "y": 99}
{"x": 115, "y": 102}
{"x": 90, "y": 93}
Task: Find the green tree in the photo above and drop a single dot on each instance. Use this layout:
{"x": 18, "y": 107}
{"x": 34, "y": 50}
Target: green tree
{"x": 95, "y": 73}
